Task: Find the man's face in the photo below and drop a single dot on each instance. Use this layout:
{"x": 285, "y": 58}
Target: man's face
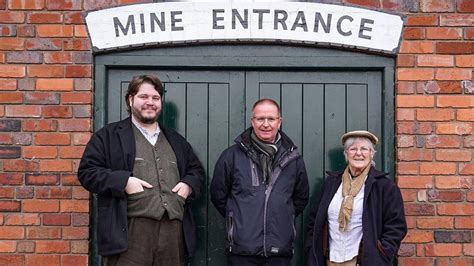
{"x": 146, "y": 104}
{"x": 266, "y": 121}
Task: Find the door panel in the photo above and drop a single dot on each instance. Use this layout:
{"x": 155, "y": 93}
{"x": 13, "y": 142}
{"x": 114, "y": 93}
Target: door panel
{"x": 211, "y": 108}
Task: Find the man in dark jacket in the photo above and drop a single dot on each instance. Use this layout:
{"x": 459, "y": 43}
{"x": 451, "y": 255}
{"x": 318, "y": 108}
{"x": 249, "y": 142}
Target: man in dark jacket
{"x": 145, "y": 176}
{"x": 260, "y": 185}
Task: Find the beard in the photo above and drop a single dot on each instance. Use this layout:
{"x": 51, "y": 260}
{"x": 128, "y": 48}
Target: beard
{"x": 145, "y": 120}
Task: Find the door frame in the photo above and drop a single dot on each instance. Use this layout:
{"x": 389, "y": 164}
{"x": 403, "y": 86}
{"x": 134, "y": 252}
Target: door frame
{"x": 252, "y": 58}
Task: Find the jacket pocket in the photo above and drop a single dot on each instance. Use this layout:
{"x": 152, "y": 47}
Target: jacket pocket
{"x": 230, "y": 230}
{"x": 382, "y": 251}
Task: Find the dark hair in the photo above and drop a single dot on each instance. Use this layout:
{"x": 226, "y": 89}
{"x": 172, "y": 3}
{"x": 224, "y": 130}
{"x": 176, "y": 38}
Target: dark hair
{"x": 267, "y": 100}
{"x": 137, "y": 81}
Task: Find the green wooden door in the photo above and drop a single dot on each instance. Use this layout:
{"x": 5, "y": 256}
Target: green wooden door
{"x": 210, "y": 108}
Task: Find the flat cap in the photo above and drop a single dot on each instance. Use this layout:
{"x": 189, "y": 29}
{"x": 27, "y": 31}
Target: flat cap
{"x": 360, "y": 133}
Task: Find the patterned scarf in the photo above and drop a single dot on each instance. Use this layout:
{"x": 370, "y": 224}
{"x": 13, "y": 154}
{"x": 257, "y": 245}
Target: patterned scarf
{"x": 266, "y": 155}
{"x": 350, "y": 189}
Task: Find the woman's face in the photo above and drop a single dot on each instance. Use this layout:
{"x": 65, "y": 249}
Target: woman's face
{"x": 359, "y": 155}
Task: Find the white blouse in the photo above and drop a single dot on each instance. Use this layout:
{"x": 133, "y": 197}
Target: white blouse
{"x": 344, "y": 246}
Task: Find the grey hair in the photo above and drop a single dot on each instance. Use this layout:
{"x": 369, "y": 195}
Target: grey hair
{"x": 350, "y": 141}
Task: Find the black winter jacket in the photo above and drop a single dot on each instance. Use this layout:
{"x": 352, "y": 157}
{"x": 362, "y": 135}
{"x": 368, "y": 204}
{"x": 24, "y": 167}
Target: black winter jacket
{"x": 260, "y": 218}
{"x": 383, "y": 220}
{"x": 105, "y": 167}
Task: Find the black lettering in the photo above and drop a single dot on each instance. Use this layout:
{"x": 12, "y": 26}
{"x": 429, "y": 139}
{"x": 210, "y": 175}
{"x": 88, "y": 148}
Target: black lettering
{"x": 215, "y": 18}
{"x": 277, "y": 20}
{"x": 243, "y": 22}
{"x": 363, "y": 28}
{"x": 319, "y": 19}
{"x": 118, "y": 24}
{"x": 300, "y": 17}
{"x": 154, "y": 19}
{"x": 260, "y": 13}
{"x": 175, "y": 20}
{"x": 339, "y": 28}
{"x": 142, "y": 22}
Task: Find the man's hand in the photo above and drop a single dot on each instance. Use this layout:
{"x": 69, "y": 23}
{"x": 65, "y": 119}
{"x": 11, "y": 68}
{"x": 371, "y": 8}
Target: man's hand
{"x": 183, "y": 190}
{"x": 135, "y": 185}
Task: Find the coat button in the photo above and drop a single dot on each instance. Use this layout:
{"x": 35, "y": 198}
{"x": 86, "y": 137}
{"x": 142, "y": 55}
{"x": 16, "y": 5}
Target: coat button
{"x": 123, "y": 229}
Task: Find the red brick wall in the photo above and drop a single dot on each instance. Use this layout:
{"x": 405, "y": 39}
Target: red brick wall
{"x": 46, "y": 119}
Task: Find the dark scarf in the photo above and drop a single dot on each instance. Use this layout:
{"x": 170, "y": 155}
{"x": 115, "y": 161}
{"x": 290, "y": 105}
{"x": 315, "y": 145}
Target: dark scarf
{"x": 266, "y": 155}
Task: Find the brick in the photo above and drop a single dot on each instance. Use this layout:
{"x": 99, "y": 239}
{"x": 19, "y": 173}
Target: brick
{"x": 469, "y": 142}
{"x": 57, "y": 31}
{"x": 43, "y": 44}
{"x": 74, "y": 125}
{"x": 43, "y": 246}
{"x": 414, "y": 128}
{"x": 7, "y": 192}
{"x": 71, "y": 152}
{"x": 415, "y": 181}
{"x": 469, "y": 250}
{"x": 80, "y": 31}
{"x": 464, "y": 222}
{"x": 437, "y": 168}
{"x": 26, "y": 84}
{"x": 24, "y": 57}
{"x": 20, "y": 165}
{"x": 57, "y": 111}
{"x": 80, "y": 138}
{"x": 26, "y": 4}
{"x": 79, "y": 71}
{"x": 58, "y": 57}
{"x": 405, "y": 141}
{"x": 54, "y": 193}
{"x": 11, "y": 179}
{"x": 22, "y": 219}
{"x": 10, "y": 206}
{"x": 80, "y": 247}
{"x": 435, "y": 60}
{"x": 7, "y": 30}
{"x": 55, "y": 84}
{"x": 74, "y": 260}
{"x": 469, "y": 34}
{"x": 22, "y": 138}
{"x": 40, "y": 125}
{"x": 416, "y": 47}
{"x": 56, "y": 165}
{"x": 52, "y": 139}
{"x": 76, "y": 98}
{"x": 454, "y": 47}
{"x": 47, "y": 71}
{"x": 458, "y": 128}
{"x": 10, "y": 152}
{"x": 12, "y": 71}
{"x": 26, "y": 31}
{"x": 437, "y": 5}
{"x": 404, "y": 60}
{"x": 10, "y": 125}
{"x": 454, "y": 155}
{"x": 12, "y": 17}
{"x": 25, "y": 247}
{"x": 41, "y": 98}
{"x": 443, "y": 250}
{"x": 422, "y": 20}
{"x": 82, "y": 44}
{"x": 404, "y": 114}
{"x": 461, "y": 115}
{"x": 445, "y": 196}
{"x": 75, "y": 233}
{"x": 444, "y": 33}
{"x": 45, "y": 17}
{"x": 445, "y": 87}
{"x": 82, "y": 111}
{"x": 455, "y": 101}
{"x": 25, "y": 192}
{"x": 457, "y": 20}
{"x": 57, "y": 219}
{"x": 39, "y": 259}
{"x": 80, "y": 193}
{"x": 6, "y": 138}
{"x": 40, "y": 206}
{"x": 39, "y": 152}
{"x": 8, "y": 84}
{"x": 75, "y": 206}
{"x": 79, "y": 219}
{"x": 434, "y": 114}
{"x": 23, "y": 111}
{"x": 73, "y": 18}
{"x": 411, "y": 33}
{"x": 453, "y": 74}
{"x": 10, "y": 259}
{"x": 417, "y": 236}
{"x": 465, "y": 60}
{"x": 12, "y": 44}
{"x": 83, "y": 58}
{"x": 42, "y": 179}
{"x": 11, "y": 97}
{"x": 466, "y": 169}
{"x": 455, "y": 209}
{"x": 414, "y": 101}
{"x": 63, "y": 5}
{"x": 44, "y": 233}
{"x": 419, "y": 209}
{"x": 465, "y": 6}
{"x": 435, "y": 222}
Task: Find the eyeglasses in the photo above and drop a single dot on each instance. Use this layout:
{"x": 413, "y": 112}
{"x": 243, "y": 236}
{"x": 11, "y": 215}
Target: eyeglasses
{"x": 262, "y": 120}
{"x": 363, "y": 150}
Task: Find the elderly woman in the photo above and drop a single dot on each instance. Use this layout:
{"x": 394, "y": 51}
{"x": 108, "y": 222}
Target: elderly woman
{"x": 358, "y": 218}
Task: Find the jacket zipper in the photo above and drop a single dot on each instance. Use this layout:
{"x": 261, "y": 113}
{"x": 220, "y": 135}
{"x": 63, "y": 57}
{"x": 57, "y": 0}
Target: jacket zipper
{"x": 230, "y": 230}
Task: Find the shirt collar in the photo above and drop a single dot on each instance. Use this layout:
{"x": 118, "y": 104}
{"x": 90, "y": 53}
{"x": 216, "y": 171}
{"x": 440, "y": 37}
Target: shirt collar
{"x": 144, "y": 131}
